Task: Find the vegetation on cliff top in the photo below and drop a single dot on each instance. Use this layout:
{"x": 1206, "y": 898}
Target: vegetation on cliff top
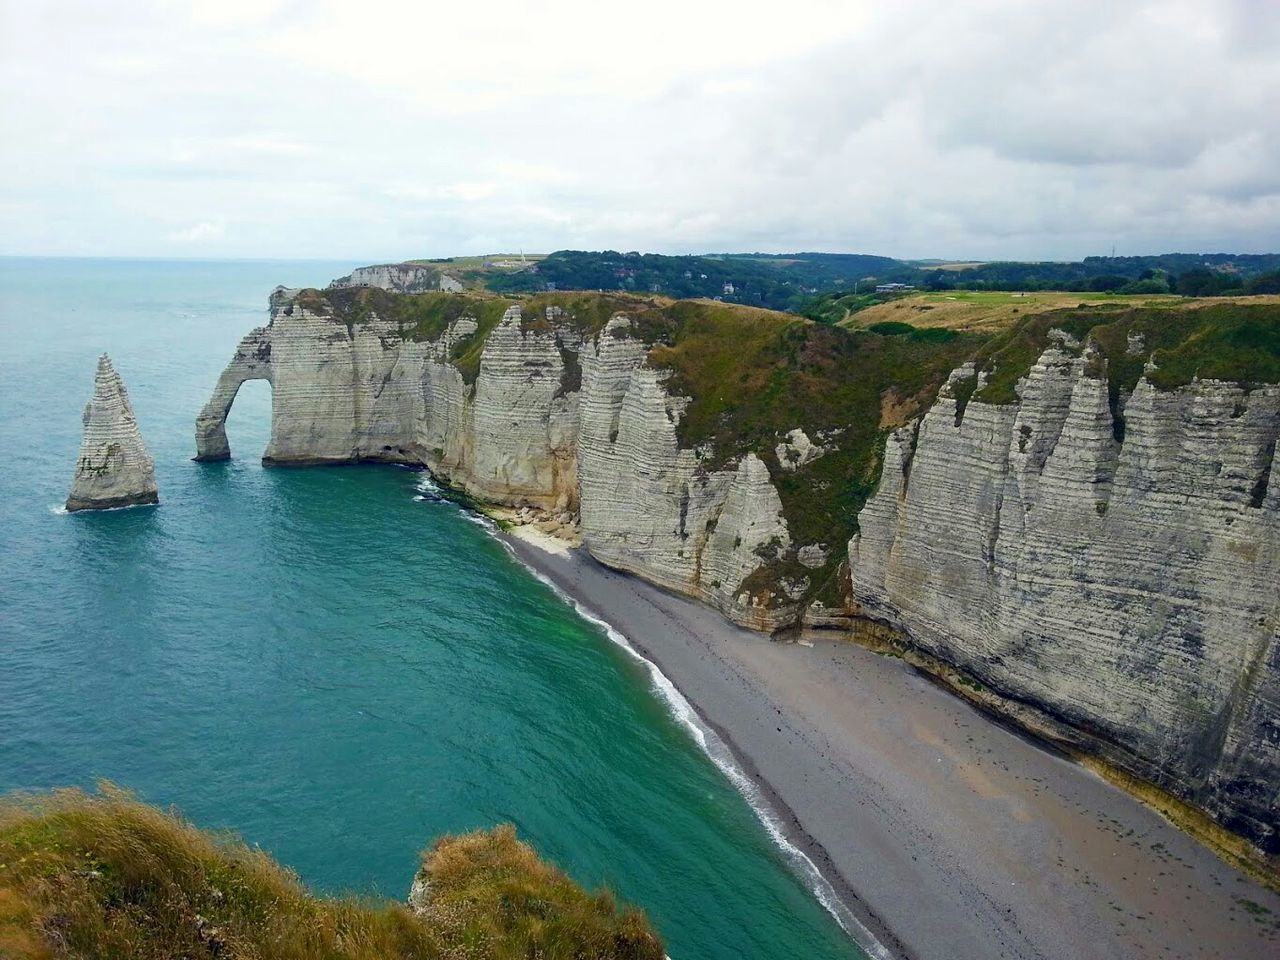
{"x": 107, "y": 877}
{"x": 753, "y": 375}
{"x": 800, "y": 281}
{"x": 751, "y": 383}
{"x": 1234, "y": 341}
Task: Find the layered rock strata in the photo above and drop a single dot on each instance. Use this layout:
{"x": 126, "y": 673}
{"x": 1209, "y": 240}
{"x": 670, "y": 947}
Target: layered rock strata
{"x": 114, "y": 468}
{"x": 650, "y": 507}
{"x": 1124, "y": 592}
{"x": 551, "y": 422}
{"x": 1106, "y": 568}
{"x": 399, "y": 278}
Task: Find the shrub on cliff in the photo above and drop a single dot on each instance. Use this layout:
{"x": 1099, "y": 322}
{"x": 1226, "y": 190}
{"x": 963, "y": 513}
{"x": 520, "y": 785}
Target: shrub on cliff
{"x": 108, "y": 877}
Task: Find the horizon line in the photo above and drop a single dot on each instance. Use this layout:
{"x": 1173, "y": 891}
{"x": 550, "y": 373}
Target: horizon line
{"x": 721, "y": 253}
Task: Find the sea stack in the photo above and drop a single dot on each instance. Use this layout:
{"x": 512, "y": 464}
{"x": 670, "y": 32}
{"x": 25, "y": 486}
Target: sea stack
{"x": 114, "y": 468}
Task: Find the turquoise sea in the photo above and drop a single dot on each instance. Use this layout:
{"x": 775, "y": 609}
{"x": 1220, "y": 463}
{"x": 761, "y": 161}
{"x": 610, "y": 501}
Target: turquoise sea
{"x": 331, "y": 662}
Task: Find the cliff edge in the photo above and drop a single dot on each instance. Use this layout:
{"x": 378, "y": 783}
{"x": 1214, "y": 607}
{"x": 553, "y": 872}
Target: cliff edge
{"x": 1077, "y": 514}
{"x": 1103, "y": 556}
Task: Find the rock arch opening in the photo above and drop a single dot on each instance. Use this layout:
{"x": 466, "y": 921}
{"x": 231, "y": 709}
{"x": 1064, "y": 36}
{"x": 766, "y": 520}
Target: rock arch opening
{"x": 248, "y": 421}
{"x": 252, "y": 361}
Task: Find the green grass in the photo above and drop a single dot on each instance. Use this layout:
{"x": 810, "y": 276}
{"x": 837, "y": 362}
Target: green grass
{"x": 753, "y": 375}
{"x": 752, "y": 380}
{"x": 106, "y": 877}
{"x": 1237, "y": 342}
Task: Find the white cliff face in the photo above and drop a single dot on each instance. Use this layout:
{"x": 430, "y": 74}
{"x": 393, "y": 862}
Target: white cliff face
{"x": 524, "y": 420}
{"x": 797, "y": 450}
{"x": 649, "y": 506}
{"x": 252, "y": 361}
{"x": 1115, "y": 582}
{"x": 397, "y": 278}
{"x": 114, "y": 468}
{"x": 339, "y": 393}
{"x": 550, "y": 422}
{"x": 1126, "y": 590}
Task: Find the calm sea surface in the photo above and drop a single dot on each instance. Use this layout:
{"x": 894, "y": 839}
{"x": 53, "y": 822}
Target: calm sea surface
{"x": 321, "y": 660}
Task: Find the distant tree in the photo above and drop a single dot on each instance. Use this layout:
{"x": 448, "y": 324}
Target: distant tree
{"x": 1151, "y": 285}
{"x": 1203, "y": 282}
{"x": 938, "y": 280}
{"x": 1107, "y": 282}
{"x": 1264, "y": 283}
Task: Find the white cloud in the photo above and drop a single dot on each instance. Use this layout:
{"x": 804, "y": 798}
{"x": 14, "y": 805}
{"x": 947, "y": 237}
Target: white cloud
{"x": 396, "y": 129}
{"x": 202, "y": 232}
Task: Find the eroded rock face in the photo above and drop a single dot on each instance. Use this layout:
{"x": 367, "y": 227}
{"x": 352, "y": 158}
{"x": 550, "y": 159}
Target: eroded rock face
{"x": 1118, "y": 581}
{"x": 1126, "y": 590}
{"x": 649, "y": 506}
{"x": 550, "y": 422}
{"x": 396, "y": 277}
{"x": 114, "y": 468}
{"x": 797, "y": 450}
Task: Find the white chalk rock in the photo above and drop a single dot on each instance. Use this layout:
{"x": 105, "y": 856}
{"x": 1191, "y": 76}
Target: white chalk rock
{"x": 114, "y": 468}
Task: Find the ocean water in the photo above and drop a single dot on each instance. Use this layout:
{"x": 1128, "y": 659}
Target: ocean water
{"x": 327, "y": 661}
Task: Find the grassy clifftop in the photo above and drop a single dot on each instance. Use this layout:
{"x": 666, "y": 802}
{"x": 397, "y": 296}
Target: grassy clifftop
{"x": 1226, "y": 340}
{"x": 109, "y": 878}
{"x": 754, "y": 375}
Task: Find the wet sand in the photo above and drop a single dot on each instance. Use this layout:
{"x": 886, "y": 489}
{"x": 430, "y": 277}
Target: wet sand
{"x": 947, "y": 834}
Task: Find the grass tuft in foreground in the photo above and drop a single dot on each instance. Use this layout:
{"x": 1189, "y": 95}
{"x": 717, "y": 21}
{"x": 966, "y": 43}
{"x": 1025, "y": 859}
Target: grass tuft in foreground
{"x": 104, "y": 876}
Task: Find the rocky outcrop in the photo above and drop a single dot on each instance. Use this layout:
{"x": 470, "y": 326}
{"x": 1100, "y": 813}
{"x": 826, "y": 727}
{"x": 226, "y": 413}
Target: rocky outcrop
{"x": 114, "y": 468}
{"x": 398, "y": 278}
{"x": 797, "y": 450}
{"x": 551, "y": 421}
{"x": 1122, "y": 590}
{"x": 252, "y": 361}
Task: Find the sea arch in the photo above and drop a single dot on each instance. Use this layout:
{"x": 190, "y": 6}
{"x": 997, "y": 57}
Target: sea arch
{"x": 252, "y": 361}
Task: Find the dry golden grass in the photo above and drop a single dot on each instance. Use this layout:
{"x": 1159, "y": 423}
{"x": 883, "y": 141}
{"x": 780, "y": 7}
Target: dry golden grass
{"x": 993, "y": 311}
{"x": 109, "y": 878}
{"x": 984, "y": 312}
{"x": 487, "y": 888}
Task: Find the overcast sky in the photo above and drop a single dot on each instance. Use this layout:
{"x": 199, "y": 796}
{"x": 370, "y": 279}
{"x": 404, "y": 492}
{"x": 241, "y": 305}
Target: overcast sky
{"x": 385, "y": 130}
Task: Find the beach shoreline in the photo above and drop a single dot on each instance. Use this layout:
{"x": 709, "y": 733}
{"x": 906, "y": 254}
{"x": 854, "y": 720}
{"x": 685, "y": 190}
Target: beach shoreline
{"x": 943, "y": 832}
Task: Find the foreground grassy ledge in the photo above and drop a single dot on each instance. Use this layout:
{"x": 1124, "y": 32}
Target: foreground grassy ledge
{"x": 105, "y": 876}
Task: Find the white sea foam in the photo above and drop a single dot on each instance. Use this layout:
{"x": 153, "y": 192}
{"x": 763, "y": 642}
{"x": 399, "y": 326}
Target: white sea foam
{"x": 710, "y": 743}
{"x": 715, "y": 748}
{"x": 60, "y": 509}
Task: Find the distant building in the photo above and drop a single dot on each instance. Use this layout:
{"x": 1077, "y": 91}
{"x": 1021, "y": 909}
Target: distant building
{"x": 728, "y": 289}
{"x": 893, "y": 287}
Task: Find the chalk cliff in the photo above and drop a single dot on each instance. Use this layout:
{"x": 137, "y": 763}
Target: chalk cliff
{"x": 114, "y": 468}
{"x": 1095, "y": 547}
{"x": 1123, "y": 593}
{"x": 651, "y": 507}
{"x": 400, "y": 278}
{"x": 517, "y": 434}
